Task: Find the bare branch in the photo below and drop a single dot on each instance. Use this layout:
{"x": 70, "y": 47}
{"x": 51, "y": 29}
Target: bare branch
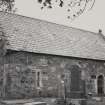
{"x": 75, "y": 7}
{"x": 7, "y": 5}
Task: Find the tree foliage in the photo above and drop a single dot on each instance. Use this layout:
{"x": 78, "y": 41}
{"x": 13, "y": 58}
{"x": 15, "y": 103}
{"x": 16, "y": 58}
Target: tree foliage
{"x": 74, "y": 7}
{"x": 7, "y": 5}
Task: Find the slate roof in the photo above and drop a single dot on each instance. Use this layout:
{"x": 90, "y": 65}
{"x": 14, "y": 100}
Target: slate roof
{"x": 38, "y": 36}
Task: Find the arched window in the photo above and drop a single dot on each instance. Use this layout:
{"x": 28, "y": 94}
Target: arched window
{"x": 100, "y": 85}
{"x": 75, "y": 87}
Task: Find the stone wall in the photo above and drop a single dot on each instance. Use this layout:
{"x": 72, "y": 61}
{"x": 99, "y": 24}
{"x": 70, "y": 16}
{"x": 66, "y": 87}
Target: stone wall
{"x": 59, "y": 75}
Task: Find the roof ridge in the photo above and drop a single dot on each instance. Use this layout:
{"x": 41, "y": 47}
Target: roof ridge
{"x": 66, "y": 26}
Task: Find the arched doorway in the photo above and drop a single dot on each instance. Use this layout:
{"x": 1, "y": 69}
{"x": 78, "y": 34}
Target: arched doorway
{"x": 100, "y": 85}
{"x": 75, "y": 83}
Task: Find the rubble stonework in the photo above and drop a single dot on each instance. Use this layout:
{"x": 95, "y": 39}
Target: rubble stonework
{"x": 20, "y": 70}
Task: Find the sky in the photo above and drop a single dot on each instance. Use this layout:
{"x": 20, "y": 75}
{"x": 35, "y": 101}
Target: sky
{"x": 91, "y": 20}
